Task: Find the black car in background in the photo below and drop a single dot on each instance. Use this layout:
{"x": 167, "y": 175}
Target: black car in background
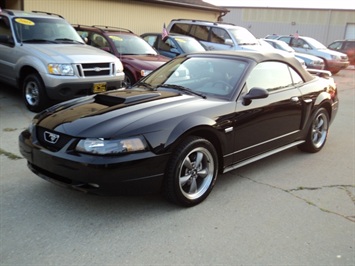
{"x": 179, "y": 127}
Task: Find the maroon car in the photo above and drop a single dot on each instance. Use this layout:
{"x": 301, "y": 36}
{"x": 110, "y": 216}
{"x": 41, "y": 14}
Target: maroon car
{"x": 346, "y": 47}
{"x": 137, "y": 56}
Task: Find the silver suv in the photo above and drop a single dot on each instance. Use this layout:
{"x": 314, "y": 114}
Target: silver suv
{"x": 43, "y": 55}
{"x": 215, "y": 35}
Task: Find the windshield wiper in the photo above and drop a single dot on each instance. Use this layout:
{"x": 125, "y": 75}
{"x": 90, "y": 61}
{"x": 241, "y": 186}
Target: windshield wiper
{"x": 247, "y": 43}
{"x": 182, "y": 88}
{"x": 38, "y": 41}
{"x": 68, "y": 40}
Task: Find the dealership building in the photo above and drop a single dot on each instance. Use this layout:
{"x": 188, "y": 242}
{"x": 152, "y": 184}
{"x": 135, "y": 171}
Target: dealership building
{"x": 140, "y": 16}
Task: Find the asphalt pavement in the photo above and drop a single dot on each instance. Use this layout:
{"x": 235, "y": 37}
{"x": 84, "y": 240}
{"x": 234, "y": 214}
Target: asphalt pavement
{"x": 292, "y": 208}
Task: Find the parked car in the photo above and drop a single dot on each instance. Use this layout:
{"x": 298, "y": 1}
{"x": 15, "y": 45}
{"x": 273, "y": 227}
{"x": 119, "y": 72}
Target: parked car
{"x": 196, "y": 116}
{"x": 268, "y": 47}
{"x": 334, "y": 61}
{"x": 44, "y": 56}
{"x": 215, "y": 35}
{"x": 310, "y": 61}
{"x": 173, "y": 45}
{"x": 344, "y": 46}
{"x": 137, "y": 56}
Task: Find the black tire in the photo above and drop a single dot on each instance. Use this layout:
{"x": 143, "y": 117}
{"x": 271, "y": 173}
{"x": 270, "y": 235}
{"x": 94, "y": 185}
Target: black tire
{"x": 191, "y": 172}
{"x": 34, "y": 94}
{"x": 128, "y": 80}
{"x": 318, "y": 132}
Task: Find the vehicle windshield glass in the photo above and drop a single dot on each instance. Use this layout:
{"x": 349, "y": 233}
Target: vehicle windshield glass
{"x": 285, "y": 47}
{"x": 132, "y": 45}
{"x": 243, "y": 36}
{"x": 315, "y": 44}
{"x": 216, "y": 77}
{"x": 189, "y": 45}
{"x": 45, "y": 30}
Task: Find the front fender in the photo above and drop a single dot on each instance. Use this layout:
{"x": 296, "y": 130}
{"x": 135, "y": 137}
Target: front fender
{"x": 26, "y": 62}
{"x": 323, "y": 96}
{"x": 187, "y": 125}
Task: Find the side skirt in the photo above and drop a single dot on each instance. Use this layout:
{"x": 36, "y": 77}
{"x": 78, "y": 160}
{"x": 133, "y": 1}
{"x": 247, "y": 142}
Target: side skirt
{"x": 261, "y": 156}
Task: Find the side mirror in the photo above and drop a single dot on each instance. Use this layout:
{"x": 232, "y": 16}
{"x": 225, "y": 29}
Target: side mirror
{"x": 306, "y": 46}
{"x": 228, "y": 42}
{"x": 255, "y": 93}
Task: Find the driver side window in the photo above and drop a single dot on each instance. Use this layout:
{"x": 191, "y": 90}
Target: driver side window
{"x": 272, "y": 76}
{"x": 5, "y": 32}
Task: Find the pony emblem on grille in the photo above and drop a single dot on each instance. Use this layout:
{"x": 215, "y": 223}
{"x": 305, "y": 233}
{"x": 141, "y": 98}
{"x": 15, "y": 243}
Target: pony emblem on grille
{"x": 51, "y": 137}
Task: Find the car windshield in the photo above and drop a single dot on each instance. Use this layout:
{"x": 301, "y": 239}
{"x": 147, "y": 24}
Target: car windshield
{"x": 243, "y": 36}
{"x": 315, "y": 44}
{"x": 131, "y": 45}
{"x": 189, "y": 45}
{"x": 42, "y": 30}
{"x": 285, "y": 47}
{"x": 216, "y": 77}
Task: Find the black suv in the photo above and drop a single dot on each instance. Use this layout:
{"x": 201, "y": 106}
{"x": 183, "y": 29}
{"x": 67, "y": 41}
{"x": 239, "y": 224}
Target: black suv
{"x": 346, "y": 47}
{"x": 137, "y": 56}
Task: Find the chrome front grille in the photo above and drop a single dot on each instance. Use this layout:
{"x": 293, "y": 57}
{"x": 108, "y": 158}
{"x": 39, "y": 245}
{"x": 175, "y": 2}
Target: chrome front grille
{"x": 96, "y": 69}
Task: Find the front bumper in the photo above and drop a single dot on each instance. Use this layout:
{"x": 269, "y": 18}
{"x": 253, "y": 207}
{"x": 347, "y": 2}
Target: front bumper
{"x": 138, "y": 173}
{"x": 336, "y": 65}
{"x": 63, "y": 88}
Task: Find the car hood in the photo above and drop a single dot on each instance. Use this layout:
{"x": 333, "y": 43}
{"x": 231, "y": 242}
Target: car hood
{"x": 148, "y": 62}
{"x": 308, "y": 56}
{"x": 69, "y": 53}
{"x": 122, "y": 113}
{"x": 326, "y": 53}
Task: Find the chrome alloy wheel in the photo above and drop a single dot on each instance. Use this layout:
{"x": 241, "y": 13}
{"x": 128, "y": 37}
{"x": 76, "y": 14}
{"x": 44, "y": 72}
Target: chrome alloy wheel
{"x": 196, "y": 173}
{"x": 319, "y": 130}
{"x": 32, "y": 93}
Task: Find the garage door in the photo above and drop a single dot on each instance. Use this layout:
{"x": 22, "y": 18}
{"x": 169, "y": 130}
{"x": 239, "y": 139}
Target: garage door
{"x": 350, "y": 31}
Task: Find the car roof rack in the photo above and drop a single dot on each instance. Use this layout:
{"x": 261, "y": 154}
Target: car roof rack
{"x": 8, "y": 12}
{"x": 47, "y": 13}
{"x": 110, "y": 28}
{"x": 207, "y": 21}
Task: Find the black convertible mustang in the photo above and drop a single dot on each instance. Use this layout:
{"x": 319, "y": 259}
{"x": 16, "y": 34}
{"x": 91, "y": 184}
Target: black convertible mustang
{"x": 176, "y": 129}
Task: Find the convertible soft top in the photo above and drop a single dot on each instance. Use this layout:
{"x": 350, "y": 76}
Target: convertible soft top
{"x": 262, "y": 56}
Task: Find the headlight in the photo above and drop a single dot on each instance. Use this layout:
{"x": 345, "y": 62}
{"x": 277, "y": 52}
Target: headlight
{"x": 31, "y": 126}
{"x": 61, "y": 69}
{"x": 117, "y": 146}
{"x": 119, "y": 67}
{"x": 145, "y": 72}
{"x": 335, "y": 57}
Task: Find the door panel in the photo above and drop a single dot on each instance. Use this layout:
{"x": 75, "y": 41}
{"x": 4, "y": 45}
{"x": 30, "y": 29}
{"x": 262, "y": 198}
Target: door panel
{"x": 271, "y": 122}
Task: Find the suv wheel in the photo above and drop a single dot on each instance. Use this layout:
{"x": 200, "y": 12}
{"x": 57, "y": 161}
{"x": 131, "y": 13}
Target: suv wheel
{"x": 34, "y": 93}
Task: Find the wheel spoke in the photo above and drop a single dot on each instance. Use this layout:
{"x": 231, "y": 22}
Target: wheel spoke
{"x": 202, "y": 173}
{"x": 187, "y": 163}
{"x": 183, "y": 179}
{"x": 320, "y": 124}
{"x": 193, "y": 186}
{"x": 199, "y": 157}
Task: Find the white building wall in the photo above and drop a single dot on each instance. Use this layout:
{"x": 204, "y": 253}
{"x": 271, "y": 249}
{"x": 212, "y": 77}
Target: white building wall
{"x": 323, "y": 25}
